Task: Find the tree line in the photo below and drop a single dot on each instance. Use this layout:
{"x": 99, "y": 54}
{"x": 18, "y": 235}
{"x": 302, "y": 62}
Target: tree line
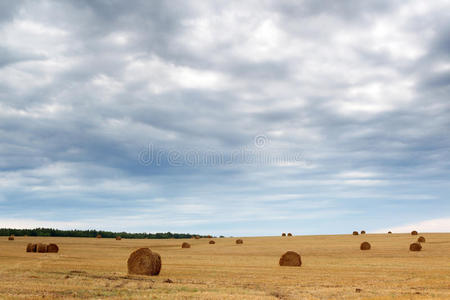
{"x": 92, "y": 233}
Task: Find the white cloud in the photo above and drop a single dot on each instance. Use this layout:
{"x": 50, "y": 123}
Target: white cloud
{"x": 433, "y": 225}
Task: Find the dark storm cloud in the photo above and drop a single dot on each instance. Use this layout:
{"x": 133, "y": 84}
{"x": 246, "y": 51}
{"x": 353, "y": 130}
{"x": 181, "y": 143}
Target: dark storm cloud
{"x": 358, "y": 90}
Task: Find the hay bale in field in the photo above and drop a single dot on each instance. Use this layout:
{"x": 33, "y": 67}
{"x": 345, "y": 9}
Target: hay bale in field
{"x": 414, "y": 232}
{"x": 289, "y": 234}
{"x": 421, "y": 239}
{"x": 30, "y": 247}
{"x": 283, "y": 234}
{"x": 239, "y": 241}
{"x": 212, "y": 242}
{"x": 389, "y": 232}
{"x": 363, "y": 232}
{"x": 118, "y": 238}
{"x": 355, "y": 233}
{"x": 41, "y": 248}
{"x": 11, "y": 237}
{"x": 291, "y": 259}
{"x": 185, "y": 245}
{"x": 364, "y": 246}
{"x": 415, "y": 247}
{"x": 196, "y": 237}
{"x": 52, "y": 248}
{"x": 99, "y": 236}
{"x": 209, "y": 236}
{"x": 144, "y": 262}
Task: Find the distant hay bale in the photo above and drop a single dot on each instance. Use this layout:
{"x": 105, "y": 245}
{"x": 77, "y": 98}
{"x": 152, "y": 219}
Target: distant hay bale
{"x": 291, "y": 259}
{"x": 212, "y": 242}
{"x": 363, "y": 232}
{"x": 196, "y": 237}
{"x": 239, "y": 241}
{"x": 355, "y": 233}
{"x": 364, "y": 246}
{"x": 41, "y": 248}
{"x": 144, "y": 262}
{"x": 185, "y": 245}
{"x": 11, "y": 237}
{"x": 118, "y": 238}
{"x": 415, "y": 247}
{"x": 414, "y": 232}
{"x": 283, "y": 234}
{"x": 389, "y": 232}
{"x": 209, "y": 237}
{"x": 31, "y": 247}
{"x": 421, "y": 239}
{"x": 99, "y": 236}
{"x": 289, "y": 234}
{"x": 52, "y": 248}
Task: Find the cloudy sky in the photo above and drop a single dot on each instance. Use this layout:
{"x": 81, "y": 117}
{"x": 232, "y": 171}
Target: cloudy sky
{"x": 224, "y": 117}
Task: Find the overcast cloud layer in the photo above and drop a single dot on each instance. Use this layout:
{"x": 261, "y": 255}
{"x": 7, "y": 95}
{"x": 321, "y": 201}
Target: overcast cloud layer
{"x": 225, "y": 117}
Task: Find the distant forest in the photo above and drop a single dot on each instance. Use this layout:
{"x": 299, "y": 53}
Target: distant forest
{"x": 92, "y": 233}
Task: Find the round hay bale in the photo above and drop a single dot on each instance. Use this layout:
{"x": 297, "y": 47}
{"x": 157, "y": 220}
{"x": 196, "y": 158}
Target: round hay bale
{"x": 364, "y": 246}
{"x": 144, "y": 262}
{"x": 52, "y": 248}
{"x": 421, "y": 239}
{"x": 414, "y": 232}
{"x": 31, "y": 247}
{"x": 291, "y": 259}
{"x": 118, "y": 238}
{"x": 196, "y": 237}
{"x": 283, "y": 234}
{"x": 185, "y": 245}
{"x": 99, "y": 236}
{"x": 415, "y": 247}
{"x": 389, "y": 232}
{"x": 11, "y": 237}
{"x": 363, "y": 232}
{"x": 355, "y": 233}
{"x": 239, "y": 241}
{"x": 289, "y": 234}
{"x": 209, "y": 237}
{"x": 41, "y": 248}
{"x": 212, "y": 242}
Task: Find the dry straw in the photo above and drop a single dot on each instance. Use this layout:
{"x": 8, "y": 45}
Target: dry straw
{"x": 11, "y": 237}
{"x": 364, "y": 246}
{"x": 185, "y": 245}
{"x": 31, "y": 247}
{"x": 415, "y": 247}
{"x": 144, "y": 262}
{"x": 291, "y": 259}
{"x": 421, "y": 239}
{"x": 52, "y": 248}
{"x": 283, "y": 234}
{"x": 414, "y": 232}
{"x": 41, "y": 248}
{"x": 289, "y": 234}
{"x": 118, "y": 238}
{"x": 212, "y": 242}
{"x": 239, "y": 241}
{"x": 363, "y": 232}
{"x": 355, "y": 233}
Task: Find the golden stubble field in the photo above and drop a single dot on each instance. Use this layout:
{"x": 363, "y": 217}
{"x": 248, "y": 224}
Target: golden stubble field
{"x": 333, "y": 267}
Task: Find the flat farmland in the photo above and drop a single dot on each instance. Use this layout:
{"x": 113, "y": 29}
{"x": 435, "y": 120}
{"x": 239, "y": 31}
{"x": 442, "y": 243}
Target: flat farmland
{"x": 333, "y": 267}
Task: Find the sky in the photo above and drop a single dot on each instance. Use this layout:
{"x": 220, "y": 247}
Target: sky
{"x": 225, "y": 117}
